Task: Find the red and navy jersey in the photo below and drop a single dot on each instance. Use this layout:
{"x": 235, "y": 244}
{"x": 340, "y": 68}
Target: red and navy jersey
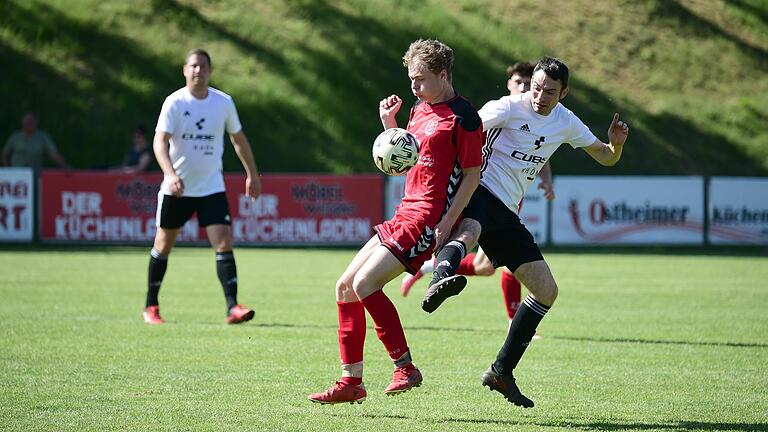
{"x": 451, "y": 139}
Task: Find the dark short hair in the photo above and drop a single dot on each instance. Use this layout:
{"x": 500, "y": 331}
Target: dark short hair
{"x": 555, "y": 69}
{"x": 139, "y": 129}
{"x": 199, "y": 51}
{"x": 435, "y": 54}
{"x": 524, "y": 69}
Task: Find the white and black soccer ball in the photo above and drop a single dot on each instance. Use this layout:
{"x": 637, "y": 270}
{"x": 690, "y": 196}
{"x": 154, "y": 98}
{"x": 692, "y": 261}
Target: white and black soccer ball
{"x": 395, "y": 151}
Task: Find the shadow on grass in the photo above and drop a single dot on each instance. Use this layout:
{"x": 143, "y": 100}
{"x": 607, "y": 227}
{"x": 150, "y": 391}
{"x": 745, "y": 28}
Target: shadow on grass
{"x": 674, "y": 426}
{"x": 567, "y": 338}
{"x": 660, "y": 342}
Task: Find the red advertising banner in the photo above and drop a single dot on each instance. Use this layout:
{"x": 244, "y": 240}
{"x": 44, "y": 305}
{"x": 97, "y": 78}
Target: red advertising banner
{"x": 294, "y": 209}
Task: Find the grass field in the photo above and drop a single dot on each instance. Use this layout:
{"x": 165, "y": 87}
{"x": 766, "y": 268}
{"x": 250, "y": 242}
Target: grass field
{"x": 636, "y": 341}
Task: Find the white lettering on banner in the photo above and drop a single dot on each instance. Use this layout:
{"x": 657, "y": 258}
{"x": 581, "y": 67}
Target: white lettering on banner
{"x": 81, "y": 203}
{"x": 265, "y": 205}
{"x": 73, "y": 227}
{"x": 292, "y": 230}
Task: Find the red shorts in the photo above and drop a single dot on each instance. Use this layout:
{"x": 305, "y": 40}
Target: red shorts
{"x": 410, "y": 241}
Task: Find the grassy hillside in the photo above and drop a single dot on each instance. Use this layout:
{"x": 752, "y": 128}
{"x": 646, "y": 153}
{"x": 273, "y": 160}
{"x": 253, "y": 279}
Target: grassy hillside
{"x": 690, "y": 77}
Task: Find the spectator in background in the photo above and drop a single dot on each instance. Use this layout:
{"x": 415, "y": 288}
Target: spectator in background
{"x": 28, "y": 146}
{"x": 138, "y": 158}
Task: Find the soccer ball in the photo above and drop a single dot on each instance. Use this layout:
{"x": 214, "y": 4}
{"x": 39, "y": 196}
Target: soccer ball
{"x": 395, "y": 151}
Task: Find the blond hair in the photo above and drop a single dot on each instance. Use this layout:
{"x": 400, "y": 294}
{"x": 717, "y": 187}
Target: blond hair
{"x": 433, "y": 53}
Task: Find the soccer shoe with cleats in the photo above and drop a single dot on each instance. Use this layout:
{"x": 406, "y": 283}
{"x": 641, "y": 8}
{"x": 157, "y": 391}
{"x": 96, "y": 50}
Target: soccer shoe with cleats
{"x": 408, "y": 282}
{"x": 340, "y": 392}
{"x": 404, "y": 379}
{"x": 505, "y": 384}
{"x": 152, "y": 315}
{"x": 440, "y": 290}
{"x": 239, "y": 314}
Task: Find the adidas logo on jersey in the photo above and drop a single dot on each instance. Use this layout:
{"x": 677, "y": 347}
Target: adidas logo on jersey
{"x": 525, "y": 128}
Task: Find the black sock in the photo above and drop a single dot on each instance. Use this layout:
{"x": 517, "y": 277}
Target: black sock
{"x": 448, "y": 259}
{"x": 227, "y": 272}
{"x": 158, "y": 263}
{"x": 521, "y": 331}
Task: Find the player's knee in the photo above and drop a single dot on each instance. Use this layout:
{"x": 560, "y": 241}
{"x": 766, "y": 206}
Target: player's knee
{"x": 470, "y": 230}
{"x": 360, "y": 286}
{"x": 344, "y": 291}
{"x": 547, "y": 293}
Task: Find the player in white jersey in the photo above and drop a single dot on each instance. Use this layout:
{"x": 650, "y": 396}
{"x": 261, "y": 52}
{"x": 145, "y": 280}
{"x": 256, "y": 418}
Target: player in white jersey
{"x": 522, "y": 134}
{"x": 193, "y": 120}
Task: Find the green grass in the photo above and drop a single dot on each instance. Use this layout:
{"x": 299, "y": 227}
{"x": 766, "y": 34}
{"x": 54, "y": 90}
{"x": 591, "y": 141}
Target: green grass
{"x": 690, "y": 77}
{"x": 636, "y": 341}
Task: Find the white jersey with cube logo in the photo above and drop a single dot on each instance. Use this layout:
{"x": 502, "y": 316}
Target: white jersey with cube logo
{"x": 197, "y": 129}
{"x": 519, "y": 141}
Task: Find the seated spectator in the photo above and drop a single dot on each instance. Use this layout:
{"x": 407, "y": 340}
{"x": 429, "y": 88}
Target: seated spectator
{"x": 28, "y": 146}
{"x": 138, "y": 158}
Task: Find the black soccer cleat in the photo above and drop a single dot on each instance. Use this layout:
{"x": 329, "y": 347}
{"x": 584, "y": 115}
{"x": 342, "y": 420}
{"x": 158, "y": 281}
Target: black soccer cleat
{"x": 505, "y": 384}
{"x": 439, "y": 291}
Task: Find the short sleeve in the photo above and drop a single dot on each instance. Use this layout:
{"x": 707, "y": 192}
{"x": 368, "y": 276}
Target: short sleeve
{"x": 494, "y": 113}
{"x": 579, "y": 133}
{"x": 165, "y": 122}
{"x": 233, "y": 120}
{"x": 469, "y": 145}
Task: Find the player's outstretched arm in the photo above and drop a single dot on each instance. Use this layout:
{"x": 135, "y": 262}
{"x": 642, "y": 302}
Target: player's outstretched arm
{"x": 609, "y": 154}
{"x": 388, "y": 108}
{"x": 244, "y": 152}
{"x": 162, "y": 154}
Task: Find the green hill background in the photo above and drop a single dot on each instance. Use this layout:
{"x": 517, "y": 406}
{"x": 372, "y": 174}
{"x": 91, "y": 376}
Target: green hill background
{"x": 690, "y": 77}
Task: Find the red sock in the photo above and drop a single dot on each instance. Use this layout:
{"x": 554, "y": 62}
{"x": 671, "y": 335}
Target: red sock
{"x": 467, "y": 265}
{"x": 387, "y": 321}
{"x": 510, "y": 287}
{"x": 351, "y": 335}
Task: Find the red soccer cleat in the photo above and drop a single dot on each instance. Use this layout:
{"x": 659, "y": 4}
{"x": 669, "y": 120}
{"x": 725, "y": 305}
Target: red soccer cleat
{"x": 340, "y": 392}
{"x": 404, "y": 379}
{"x": 239, "y": 314}
{"x": 408, "y": 282}
{"x": 152, "y": 315}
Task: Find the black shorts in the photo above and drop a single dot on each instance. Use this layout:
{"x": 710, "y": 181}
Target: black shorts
{"x": 173, "y": 212}
{"x": 504, "y": 239}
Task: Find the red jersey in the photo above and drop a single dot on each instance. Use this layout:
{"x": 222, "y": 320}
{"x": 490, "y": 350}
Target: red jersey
{"x": 450, "y": 135}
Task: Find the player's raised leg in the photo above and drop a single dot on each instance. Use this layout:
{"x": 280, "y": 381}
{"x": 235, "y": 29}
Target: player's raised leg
{"x": 445, "y": 282}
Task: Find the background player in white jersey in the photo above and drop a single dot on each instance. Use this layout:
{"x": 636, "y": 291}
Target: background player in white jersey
{"x": 523, "y": 133}
{"x": 193, "y": 120}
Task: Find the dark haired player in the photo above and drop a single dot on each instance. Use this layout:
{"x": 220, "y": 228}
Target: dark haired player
{"x": 522, "y": 134}
{"x": 193, "y": 120}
